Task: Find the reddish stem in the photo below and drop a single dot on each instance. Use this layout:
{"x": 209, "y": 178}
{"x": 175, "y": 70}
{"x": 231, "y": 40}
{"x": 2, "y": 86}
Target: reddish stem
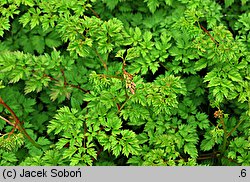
{"x": 211, "y": 37}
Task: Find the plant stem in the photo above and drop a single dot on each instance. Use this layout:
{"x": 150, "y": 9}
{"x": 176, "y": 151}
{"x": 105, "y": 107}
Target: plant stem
{"x": 229, "y": 134}
{"x": 224, "y": 146}
{"x": 18, "y": 124}
{"x": 103, "y": 62}
{"x": 94, "y": 12}
{"x": 207, "y": 32}
{"x": 125, "y": 103}
{"x": 7, "y": 121}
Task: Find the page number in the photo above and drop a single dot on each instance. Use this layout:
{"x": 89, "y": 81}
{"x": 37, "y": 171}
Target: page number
{"x": 243, "y": 173}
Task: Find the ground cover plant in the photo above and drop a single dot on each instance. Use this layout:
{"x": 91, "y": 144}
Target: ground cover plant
{"x": 123, "y": 82}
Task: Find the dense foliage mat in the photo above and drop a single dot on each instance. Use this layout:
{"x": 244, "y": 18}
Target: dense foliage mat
{"x": 123, "y": 82}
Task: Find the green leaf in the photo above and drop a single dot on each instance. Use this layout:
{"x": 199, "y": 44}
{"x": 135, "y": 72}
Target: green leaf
{"x": 169, "y": 2}
{"x": 207, "y": 144}
{"x": 120, "y": 53}
{"x": 8, "y": 156}
{"x": 235, "y": 76}
{"x": 228, "y": 3}
{"x": 242, "y": 97}
{"x": 69, "y": 152}
{"x": 29, "y": 2}
{"x": 126, "y": 150}
{"x": 152, "y": 5}
{"x": 142, "y": 137}
{"x": 132, "y": 53}
{"x": 111, "y": 3}
{"x": 92, "y": 152}
{"x": 38, "y": 43}
{"x": 154, "y": 67}
{"x": 147, "y": 36}
{"x": 232, "y": 154}
{"x": 43, "y": 141}
{"x": 117, "y": 150}
{"x": 18, "y": 75}
{"x": 137, "y": 34}
{"x": 4, "y": 23}
{"x": 212, "y": 75}
{"x": 87, "y": 159}
{"x": 114, "y": 122}
{"x": 32, "y": 85}
{"x": 74, "y": 161}
{"x": 52, "y": 42}
{"x": 191, "y": 149}
{"x": 201, "y": 116}
{"x": 200, "y": 64}
{"x": 61, "y": 143}
{"x": 25, "y": 19}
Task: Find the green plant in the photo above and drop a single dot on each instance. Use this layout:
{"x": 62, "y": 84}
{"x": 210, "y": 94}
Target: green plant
{"x": 119, "y": 82}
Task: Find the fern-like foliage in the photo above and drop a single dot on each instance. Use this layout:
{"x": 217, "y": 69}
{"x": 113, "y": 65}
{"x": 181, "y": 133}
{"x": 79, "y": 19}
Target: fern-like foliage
{"x": 122, "y": 82}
